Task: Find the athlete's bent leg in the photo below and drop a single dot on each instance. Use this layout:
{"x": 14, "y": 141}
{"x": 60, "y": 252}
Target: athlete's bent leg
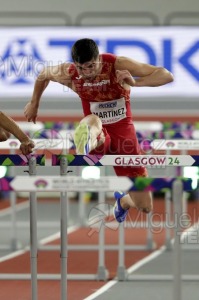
{"x": 88, "y": 135}
{"x": 137, "y": 199}
{"x": 140, "y": 200}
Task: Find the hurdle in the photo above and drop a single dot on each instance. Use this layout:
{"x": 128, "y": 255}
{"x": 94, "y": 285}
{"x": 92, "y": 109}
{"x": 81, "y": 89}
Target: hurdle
{"x": 165, "y": 130}
{"x": 36, "y": 183}
{"x": 177, "y": 136}
{"x": 60, "y": 141}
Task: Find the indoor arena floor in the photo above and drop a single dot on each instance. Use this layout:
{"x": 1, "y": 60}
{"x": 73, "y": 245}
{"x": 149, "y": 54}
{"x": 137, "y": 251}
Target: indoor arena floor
{"x": 143, "y": 262}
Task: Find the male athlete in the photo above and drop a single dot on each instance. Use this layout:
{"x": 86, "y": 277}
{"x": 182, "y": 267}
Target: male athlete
{"x": 103, "y": 82}
{"x": 7, "y": 126}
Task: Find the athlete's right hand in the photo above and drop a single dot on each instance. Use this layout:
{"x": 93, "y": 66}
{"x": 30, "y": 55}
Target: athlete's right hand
{"x": 30, "y": 112}
{"x": 27, "y": 146}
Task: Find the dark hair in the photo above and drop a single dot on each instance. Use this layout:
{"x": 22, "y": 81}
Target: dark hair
{"x": 84, "y": 50}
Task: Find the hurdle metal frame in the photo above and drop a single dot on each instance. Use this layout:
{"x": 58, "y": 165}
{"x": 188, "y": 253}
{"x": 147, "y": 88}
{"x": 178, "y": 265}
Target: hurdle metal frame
{"x": 177, "y": 193}
{"x": 33, "y": 234}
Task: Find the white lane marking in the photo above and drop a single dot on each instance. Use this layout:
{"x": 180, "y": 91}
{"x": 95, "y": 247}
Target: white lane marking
{"x": 13, "y": 255}
{"x": 101, "y": 290}
{"x": 129, "y": 270}
{"x": 19, "y": 207}
{"x": 146, "y": 259}
{"x": 56, "y": 235}
{"x": 137, "y": 265}
{"x": 42, "y": 241}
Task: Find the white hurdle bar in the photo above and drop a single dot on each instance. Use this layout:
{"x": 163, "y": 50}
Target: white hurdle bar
{"x": 40, "y": 144}
{"x": 175, "y": 144}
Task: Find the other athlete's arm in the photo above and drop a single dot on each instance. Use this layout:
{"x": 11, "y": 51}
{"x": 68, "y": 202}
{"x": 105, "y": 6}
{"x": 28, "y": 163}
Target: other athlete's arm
{"x": 145, "y": 74}
{"x": 10, "y": 126}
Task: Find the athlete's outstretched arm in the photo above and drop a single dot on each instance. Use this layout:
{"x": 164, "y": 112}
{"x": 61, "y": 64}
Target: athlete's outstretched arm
{"x": 57, "y": 73}
{"x": 145, "y": 74}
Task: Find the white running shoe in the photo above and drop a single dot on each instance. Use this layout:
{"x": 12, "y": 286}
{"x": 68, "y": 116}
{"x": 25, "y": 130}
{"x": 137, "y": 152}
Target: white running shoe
{"x": 81, "y": 139}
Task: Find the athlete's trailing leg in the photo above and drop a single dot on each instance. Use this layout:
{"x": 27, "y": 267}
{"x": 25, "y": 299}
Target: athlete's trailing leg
{"x": 140, "y": 200}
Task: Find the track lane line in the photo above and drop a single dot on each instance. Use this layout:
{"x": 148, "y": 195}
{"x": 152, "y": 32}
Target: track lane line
{"x": 43, "y": 241}
{"x": 139, "y": 264}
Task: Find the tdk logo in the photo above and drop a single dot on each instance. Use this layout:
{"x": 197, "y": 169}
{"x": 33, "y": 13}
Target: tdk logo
{"x": 21, "y": 59}
{"x": 20, "y": 62}
{"x": 108, "y": 105}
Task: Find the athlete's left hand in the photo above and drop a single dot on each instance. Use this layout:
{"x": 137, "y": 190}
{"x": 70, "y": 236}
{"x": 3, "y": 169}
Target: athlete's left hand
{"x": 124, "y": 76}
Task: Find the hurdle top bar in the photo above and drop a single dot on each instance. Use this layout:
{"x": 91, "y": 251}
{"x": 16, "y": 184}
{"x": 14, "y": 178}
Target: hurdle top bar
{"x": 174, "y": 144}
{"x": 40, "y": 144}
{"x": 20, "y": 160}
{"x": 104, "y": 160}
{"x": 128, "y": 160}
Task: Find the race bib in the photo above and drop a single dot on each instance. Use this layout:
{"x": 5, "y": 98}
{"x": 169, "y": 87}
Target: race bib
{"x": 110, "y": 111}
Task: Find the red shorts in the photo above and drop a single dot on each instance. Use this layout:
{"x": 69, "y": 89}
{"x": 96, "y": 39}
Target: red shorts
{"x": 121, "y": 139}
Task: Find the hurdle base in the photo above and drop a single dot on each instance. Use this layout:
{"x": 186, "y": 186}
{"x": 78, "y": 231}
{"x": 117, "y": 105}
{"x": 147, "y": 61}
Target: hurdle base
{"x": 13, "y": 276}
{"x": 14, "y": 245}
{"x": 121, "y": 273}
{"x": 94, "y": 247}
{"x": 151, "y": 245}
{"x": 160, "y": 277}
{"x": 102, "y": 274}
{"x": 129, "y": 277}
{"x": 169, "y": 245}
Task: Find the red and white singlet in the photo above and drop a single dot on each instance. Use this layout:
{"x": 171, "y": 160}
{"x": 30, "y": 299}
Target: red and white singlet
{"x": 106, "y": 98}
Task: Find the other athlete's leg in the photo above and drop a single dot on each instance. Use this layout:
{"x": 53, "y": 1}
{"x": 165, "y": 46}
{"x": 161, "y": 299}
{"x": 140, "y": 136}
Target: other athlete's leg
{"x": 88, "y": 135}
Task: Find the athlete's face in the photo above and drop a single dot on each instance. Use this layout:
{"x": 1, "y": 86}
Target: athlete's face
{"x": 90, "y": 69}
